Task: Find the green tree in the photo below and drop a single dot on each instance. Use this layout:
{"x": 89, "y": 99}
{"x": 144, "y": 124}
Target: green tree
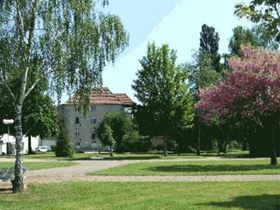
{"x": 161, "y": 87}
{"x": 105, "y": 134}
{"x": 40, "y": 117}
{"x": 204, "y": 71}
{"x": 65, "y": 42}
{"x": 122, "y": 125}
{"x": 242, "y": 36}
{"x": 209, "y": 46}
{"x": 40, "y": 114}
{"x": 206, "y": 68}
{"x": 263, "y": 12}
{"x": 63, "y": 146}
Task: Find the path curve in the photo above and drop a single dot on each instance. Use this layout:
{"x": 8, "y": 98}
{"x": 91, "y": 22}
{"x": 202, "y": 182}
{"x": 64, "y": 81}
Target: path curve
{"x": 80, "y": 172}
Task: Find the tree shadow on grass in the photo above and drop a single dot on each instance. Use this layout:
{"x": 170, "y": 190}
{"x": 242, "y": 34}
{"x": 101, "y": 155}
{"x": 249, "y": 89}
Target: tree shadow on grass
{"x": 212, "y": 168}
{"x": 264, "y": 202}
{"x": 132, "y": 157}
{"x": 152, "y": 157}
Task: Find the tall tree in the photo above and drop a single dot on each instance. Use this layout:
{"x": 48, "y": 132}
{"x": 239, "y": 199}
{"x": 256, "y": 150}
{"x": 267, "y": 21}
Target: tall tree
{"x": 263, "y": 12}
{"x": 250, "y": 92}
{"x": 204, "y": 71}
{"x": 66, "y": 42}
{"x": 161, "y": 87}
{"x": 206, "y": 68}
{"x": 209, "y": 46}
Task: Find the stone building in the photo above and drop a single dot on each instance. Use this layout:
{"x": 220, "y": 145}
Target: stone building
{"x": 81, "y": 129}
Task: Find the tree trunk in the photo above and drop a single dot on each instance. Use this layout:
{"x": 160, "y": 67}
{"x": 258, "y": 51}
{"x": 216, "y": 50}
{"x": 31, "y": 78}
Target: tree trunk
{"x": 273, "y": 160}
{"x": 220, "y": 147}
{"x": 224, "y": 147}
{"x": 111, "y": 151}
{"x": 18, "y": 184}
{"x": 165, "y": 146}
{"x": 30, "y": 151}
{"x": 244, "y": 145}
{"x": 198, "y": 140}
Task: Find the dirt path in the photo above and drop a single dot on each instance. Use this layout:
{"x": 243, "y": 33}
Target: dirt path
{"x": 72, "y": 173}
{"x": 80, "y": 172}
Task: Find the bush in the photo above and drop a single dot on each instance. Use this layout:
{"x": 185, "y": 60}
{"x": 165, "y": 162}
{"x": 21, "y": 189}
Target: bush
{"x": 63, "y": 147}
{"x": 53, "y": 148}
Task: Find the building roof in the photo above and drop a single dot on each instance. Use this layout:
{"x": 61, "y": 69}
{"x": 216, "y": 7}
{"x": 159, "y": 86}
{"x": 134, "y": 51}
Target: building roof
{"x": 105, "y": 97}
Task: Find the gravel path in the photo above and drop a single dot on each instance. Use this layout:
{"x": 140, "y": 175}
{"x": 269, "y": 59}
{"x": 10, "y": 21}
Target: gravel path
{"x": 72, "y": 173}
{"x": 79, "y": 173}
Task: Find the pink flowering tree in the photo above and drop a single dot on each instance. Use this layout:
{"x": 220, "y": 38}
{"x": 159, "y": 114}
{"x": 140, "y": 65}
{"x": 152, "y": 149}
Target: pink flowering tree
{"x": 251, "y": 92}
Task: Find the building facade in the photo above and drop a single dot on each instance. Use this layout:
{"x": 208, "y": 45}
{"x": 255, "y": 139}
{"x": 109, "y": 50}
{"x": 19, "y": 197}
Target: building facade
{"x": 81, "y": 128}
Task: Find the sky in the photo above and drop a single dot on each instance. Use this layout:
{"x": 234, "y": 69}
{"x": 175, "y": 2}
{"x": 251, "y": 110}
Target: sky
{"x": 174, "y": 22}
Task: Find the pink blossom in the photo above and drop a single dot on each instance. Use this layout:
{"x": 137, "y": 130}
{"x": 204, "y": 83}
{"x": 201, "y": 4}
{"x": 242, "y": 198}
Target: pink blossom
{"x": 250, "y": 90}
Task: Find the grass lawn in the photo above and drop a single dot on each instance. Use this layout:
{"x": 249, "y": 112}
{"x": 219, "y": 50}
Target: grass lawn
{"x": 38, "y": 165}
{"x": 206, "y": 196}
{"x": 51, "y": 155}
{"x": 133, "y": 156}
{"x": 210, "y": 167}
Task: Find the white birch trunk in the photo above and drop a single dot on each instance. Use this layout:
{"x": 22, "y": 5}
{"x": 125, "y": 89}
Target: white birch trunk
{"x": 18, "y": 183}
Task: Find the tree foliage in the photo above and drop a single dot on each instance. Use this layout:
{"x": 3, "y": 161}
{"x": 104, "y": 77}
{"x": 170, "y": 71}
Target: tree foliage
{"x": 39, "y": 111}
{"x": 209, "y": 46}
{"x": 251, "y": 91}
{"x": 263, "y": 12}
{"x": 124, "y": 131}
{"x": 253, "y": 37}
{"x": 161, "y": 87}
{"x": 206, "y": 68}
{"x": 203, "y": 72}
{"x": 121, "y": 124}
{"x": 63, "y": 146}
{"x": 105, "y": 134}
{"x": 65, "y": 42}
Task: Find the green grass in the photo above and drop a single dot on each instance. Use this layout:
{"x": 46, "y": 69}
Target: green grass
{"x": 217, "y": 167}
{"x": 38, "y": 165}
{"x": 133, "y": 156}
{"x": 51, "y": 155}
{"x": 136, "y": 196}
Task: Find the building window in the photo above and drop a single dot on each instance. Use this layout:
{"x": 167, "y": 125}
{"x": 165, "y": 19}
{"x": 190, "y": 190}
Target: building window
{"x": 109, "y": 108}
{"x": 93, "y": 120}
{"x": 93, "y": 135}
{"x": 93, "y": 108}
{"x": 77, "y": 120}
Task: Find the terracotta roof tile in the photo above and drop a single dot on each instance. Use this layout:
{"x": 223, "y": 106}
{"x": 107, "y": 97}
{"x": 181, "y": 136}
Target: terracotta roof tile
{"x": 105, "y": 96}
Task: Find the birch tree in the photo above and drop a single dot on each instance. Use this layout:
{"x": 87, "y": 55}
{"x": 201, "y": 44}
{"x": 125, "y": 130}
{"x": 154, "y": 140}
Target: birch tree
{"x": 66, "y": 42}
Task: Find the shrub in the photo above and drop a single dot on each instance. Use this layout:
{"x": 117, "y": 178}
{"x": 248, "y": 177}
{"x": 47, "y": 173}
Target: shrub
{"x": 63, "y": 147}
